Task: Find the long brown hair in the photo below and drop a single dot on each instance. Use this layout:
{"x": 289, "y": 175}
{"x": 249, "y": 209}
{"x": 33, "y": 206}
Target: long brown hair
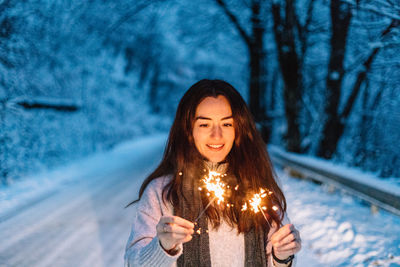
{"x": 248, "y": 161}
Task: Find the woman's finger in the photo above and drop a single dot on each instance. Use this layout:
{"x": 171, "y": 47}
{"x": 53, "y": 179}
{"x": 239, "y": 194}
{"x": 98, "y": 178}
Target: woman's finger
{"x": 172, "y": 236}
{"x": 289, "y": 250}
{"x": 293, "y": 236}
{"x": 282, "y": 232}
{"x": 161, "y": 227}
{"x": 286, "y": 247}
{"x": 169, "y": 240}
{"x": 187, "y": 239}
{"x": 175, "y": 239}
{"x": 174, "y": 228}
{"x": 177, "y": 220}
{"x": 287, "y": 239}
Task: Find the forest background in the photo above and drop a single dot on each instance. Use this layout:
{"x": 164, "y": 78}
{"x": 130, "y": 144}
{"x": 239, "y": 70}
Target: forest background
{"x": 321, "y": 77}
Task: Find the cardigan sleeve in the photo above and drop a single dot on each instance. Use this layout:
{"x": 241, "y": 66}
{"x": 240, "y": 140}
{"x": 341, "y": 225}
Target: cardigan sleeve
{"x": 143, "y": 247}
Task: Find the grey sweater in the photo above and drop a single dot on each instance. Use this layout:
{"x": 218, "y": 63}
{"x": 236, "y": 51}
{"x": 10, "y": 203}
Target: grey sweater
{"x": 144, "y": 249}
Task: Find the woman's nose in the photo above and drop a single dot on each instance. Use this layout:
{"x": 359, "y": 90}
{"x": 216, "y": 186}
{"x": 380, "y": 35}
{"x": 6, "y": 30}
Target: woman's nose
{"x": 216, "y": 132}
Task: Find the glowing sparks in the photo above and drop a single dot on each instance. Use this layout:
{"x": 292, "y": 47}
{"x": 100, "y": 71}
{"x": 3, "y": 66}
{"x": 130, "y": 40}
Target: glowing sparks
{"x": 255, "y": 202}
{"x": 215, "y": 185}
{"x": 244, "y": 207}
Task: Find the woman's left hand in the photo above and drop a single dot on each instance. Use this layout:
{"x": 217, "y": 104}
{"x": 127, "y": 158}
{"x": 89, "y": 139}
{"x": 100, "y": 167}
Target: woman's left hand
{"x": 286, "y": 241}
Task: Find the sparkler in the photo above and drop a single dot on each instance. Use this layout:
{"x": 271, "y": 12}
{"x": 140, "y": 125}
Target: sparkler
{"x": 215, "y": 185}
{"x": 255, "y": 204}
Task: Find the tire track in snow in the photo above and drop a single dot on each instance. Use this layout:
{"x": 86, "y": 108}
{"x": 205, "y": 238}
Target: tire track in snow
{"x": 79, "y": 210}
{"x": 34, "y": 224}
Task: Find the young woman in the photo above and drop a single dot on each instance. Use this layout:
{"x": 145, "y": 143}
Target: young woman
{"x": 213, "y": 131}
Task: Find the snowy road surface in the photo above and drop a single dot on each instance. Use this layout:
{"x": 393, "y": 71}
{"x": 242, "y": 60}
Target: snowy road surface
{"x": 84, "y": 222}
{"x": 81, "y": 221}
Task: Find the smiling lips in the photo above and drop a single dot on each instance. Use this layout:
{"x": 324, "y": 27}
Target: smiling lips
{"x": 215, "y": 147}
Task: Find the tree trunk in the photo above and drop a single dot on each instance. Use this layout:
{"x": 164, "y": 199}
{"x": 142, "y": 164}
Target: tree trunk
{"x": 333, "y": 126}
{"x": 154, "y": 83}
{"x": 291, "y": 73}
{"x": 255, "y": 46}
{"x": 4, "y": 139}
{"x": 257, "y": 84}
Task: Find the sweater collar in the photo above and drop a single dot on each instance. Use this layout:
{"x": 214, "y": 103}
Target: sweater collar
{"x": 220, "y": 167}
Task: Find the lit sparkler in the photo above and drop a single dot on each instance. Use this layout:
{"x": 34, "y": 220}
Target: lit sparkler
{"x": 214, "y": 185}
{"x": 255, "y": 204}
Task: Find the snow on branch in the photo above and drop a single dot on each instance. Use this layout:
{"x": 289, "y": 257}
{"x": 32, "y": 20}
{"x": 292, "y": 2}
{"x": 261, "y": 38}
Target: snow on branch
{"x": 235, "y": 21}
{"x": 49, "y": 103}
{"x": 374, "y": 9}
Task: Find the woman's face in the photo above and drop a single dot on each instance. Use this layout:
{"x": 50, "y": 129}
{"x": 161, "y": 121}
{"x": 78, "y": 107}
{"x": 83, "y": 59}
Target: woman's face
{"x": 213, "y": 129}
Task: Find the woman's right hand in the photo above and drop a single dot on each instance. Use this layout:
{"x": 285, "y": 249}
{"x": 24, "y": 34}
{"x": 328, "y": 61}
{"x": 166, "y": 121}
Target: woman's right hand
{"x": 174, "y": 230}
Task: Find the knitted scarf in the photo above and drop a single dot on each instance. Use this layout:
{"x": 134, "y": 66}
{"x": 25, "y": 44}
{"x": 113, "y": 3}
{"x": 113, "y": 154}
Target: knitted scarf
{"x": 196, "y": 253}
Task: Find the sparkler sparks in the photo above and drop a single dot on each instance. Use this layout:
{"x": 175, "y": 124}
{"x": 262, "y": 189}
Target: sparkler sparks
{"x": 216, "y": 189}
{"x": 256, "y": 201}
{"x": 215, "y": 186}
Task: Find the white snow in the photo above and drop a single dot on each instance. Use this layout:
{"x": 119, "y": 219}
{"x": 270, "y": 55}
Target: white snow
{"x": 82, "y": 221}
{"x": 30, "y": 188}
{"x": 338, "y": 230}
{"x": 334, "y": 75}
{"x": 390, "y": 185}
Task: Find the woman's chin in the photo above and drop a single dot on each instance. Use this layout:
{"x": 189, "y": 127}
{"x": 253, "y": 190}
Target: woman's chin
{"x": 215, "y": 159}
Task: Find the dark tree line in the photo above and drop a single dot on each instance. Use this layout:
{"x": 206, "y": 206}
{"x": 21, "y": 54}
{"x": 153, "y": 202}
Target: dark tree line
{"x": 292, "y": 28}
{"x": 254, "y": 40}
{"x": 321, "y": 77}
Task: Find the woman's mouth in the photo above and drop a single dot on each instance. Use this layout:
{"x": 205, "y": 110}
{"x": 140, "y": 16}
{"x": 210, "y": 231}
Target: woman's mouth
{"x": 215, "y": 147}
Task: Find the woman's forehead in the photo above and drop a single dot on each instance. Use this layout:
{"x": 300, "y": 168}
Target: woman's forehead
{"x": 214, "y": 107}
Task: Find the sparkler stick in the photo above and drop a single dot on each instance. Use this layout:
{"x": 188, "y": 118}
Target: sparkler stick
{"x": 214, "y": 185}
{"x": 265, "y": 217}
{"x": 255, "y": 204}
{"x": 204, "y": 210}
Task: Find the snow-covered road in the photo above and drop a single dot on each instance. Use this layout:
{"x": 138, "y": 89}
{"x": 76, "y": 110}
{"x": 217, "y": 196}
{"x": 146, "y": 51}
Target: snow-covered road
{"x": 81, "y": 221}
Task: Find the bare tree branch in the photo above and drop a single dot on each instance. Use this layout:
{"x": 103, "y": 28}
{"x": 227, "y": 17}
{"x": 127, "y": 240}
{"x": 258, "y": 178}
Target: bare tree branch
{"x": 374, "y": 9}
{"x": 235, "y": 21}
{"x": 363, "y": 73}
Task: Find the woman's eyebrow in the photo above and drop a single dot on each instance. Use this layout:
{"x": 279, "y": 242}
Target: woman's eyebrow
{"x": 226, "y": 118}
{"x": 202, "y": 118}
{"x": 206, "y": 118}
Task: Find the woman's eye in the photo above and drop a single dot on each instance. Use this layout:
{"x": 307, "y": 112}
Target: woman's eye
{"x": 203, "y": 125}
{"x": 228, "y": 124}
